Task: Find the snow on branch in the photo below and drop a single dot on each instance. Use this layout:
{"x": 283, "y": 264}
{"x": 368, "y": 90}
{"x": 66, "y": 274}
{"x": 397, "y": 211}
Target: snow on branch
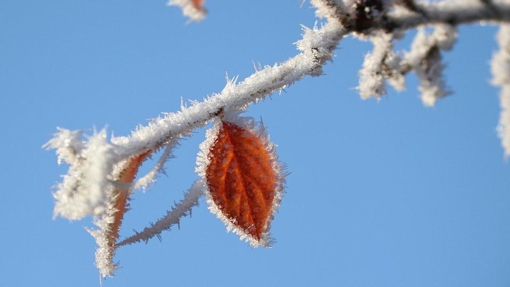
{"x": 382, "y": 63}
{"x": 316, "y": 46}
{"x": 181, "y": 209}
{"x": 424, "y": 13}
{"x": 425, "y": 59}
{"x": 84, "y": 190}
{"x": 501, "y": 77}
{"x": 193, "y": 9}
{"x": 102, "y": 172}
{"x": 147, "y": 180}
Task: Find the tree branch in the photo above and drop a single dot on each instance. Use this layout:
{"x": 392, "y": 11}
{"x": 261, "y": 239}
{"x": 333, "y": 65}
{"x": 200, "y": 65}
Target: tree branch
{"x": 96, "y": 164}
{"x": 447, "y": 12}
{"x": 173, "y": 217}
{"x": 500, "y": 65}
{"x": 316, "y": 47}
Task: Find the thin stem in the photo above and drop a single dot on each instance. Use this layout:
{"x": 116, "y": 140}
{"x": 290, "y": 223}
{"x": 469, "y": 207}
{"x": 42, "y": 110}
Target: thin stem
{"x": 173, "y": 217}
{"x": 453, "y": 13}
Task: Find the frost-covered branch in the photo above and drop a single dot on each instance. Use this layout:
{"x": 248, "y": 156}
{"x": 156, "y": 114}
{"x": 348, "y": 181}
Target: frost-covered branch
{"x": 425, "y": 59}
{"x": 193, "y": 9}
{"x": 147, "y": 180}
{"x": 501, "y": 77}
{"x": 380, "y": 65}
{"x": 181, "y": 209}
{"x": 453, "y": 12}
{"x": 87, "y": 185}
{"x": 102, "y": 172}
{"x": 317, "y": 47}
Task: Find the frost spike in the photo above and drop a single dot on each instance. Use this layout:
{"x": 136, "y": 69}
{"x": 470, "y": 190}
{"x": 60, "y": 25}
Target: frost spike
{"x": 109, "y": 224}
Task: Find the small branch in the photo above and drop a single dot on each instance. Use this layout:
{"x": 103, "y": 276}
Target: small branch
{"x": 500, "y": 66}
{"x": 191, "y": 8}
{"x": 372, "y": 75}
{"x": 412, "y": 6}
{"x": 89, "y": 188}
{"x": 425, "y": 59}
{"x": 148, "y": 179}
{"x": 316, "y": 46}
{"x": 447, "y": 12}
{"x": 490, "y": 5}
{"x": 173, "y": 217}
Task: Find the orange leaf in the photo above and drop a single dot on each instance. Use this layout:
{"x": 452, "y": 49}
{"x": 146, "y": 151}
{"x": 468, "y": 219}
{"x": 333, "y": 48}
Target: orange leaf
{"x": 243, "y": 181}
{"x": 121, "y": 195}
{"x": 198, "y": 4}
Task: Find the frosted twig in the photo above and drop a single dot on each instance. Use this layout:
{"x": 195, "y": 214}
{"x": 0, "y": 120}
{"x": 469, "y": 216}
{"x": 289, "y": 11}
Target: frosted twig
{"x": 91, "y": 185}
{"x": 316, "y": 46}
{"x": 381, "y": 63}
{"x": 500, "y": 66}
{"x": 148, "y": 179}
{"x": 68, "y": 144}
{"x": 181, "y": 209}
{"x": 190, "y": 8}
{"x": 105, "y": 251}
{"x": 425, "y": 58}
{"x": 453, "y": 12}
{"x": 87, "y": 185}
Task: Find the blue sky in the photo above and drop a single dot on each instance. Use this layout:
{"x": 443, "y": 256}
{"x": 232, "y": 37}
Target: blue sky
{"x": 386, "y": 193}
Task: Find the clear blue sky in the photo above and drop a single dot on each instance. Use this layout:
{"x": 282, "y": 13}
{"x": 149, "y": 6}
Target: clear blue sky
{"x": 385, "y": 193}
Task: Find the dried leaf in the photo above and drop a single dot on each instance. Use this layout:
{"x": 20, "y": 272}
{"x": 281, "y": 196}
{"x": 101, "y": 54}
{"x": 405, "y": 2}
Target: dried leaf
{"x": 198, "y": 4}
{"x": 121, "y": 195}
{"x": 244, "y": 180}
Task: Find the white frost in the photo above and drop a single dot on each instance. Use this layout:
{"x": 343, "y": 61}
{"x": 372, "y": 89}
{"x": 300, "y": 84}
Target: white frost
{"x": 84, "y": 190}
{"x": 372, "y": 78}
{"x": 500, "y": 66}
{"x": 425, "y": 59}
{"x": 188, "y": 9}
{"x": 172, "y": 217}
{"x": 95, "y": 163}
